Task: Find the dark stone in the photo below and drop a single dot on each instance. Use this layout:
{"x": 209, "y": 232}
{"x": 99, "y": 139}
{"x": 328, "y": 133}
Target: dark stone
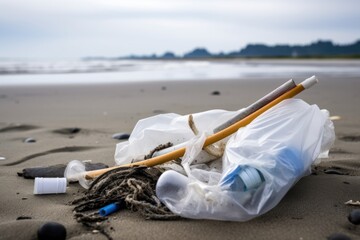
{"x": 52, "y": 230}
{"x": 121, "y": 136}
{"x": 29, "y": 140}
{"x": 163, "y": 88}
{"x": 55, "y": 170}
{"x": 354, "y": 217}
{"x": 215, "y": 93}
{"x": 94, "y": 166}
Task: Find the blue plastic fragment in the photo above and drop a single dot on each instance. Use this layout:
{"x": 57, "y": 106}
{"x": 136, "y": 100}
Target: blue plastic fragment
{"x": 109, "y": 209}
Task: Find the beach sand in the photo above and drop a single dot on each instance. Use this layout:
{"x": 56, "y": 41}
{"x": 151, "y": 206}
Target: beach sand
{"x": 313, "y": 209}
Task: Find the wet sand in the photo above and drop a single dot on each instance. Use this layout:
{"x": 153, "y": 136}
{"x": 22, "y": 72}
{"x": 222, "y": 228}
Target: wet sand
{"x": 313, "y": 209}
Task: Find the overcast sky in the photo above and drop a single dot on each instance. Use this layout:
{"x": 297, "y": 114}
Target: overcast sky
{"x": 78, "y": 28}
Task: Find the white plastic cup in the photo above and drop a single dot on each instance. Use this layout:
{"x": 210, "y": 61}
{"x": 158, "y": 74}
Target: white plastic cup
{"x": 49, "y": 185}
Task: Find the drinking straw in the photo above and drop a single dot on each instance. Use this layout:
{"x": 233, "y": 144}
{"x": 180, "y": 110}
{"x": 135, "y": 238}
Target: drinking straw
{"x": 306, "y": 84}
{"x": 241, "y": 114}
{"x": 258, "y": 104}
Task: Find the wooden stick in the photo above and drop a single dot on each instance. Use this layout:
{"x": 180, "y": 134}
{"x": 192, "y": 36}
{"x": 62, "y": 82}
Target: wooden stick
{"x": 216, "y": 136}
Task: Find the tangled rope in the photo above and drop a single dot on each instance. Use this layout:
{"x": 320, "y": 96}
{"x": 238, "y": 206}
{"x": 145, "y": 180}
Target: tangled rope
{"x": 134, "y": 186}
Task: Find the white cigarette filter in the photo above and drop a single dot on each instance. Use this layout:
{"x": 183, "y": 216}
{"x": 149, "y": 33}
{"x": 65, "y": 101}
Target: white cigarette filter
{"x": 50, "y": 185}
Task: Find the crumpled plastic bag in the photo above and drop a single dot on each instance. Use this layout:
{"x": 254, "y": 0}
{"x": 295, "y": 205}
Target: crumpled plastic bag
{"x": 151, "y": 132}
{"x": 281, "y": 144}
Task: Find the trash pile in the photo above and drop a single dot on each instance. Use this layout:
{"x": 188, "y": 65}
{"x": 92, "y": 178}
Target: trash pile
{"x": 216, "y": 164}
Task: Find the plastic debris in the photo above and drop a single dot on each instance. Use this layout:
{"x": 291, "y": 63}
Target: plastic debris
{"x": 109, "y": 209}
{"x": 50, "y": 185}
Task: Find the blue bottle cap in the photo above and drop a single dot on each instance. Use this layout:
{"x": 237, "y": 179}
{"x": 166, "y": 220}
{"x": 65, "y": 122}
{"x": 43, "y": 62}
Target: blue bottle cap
{"x": 251, "y": 178}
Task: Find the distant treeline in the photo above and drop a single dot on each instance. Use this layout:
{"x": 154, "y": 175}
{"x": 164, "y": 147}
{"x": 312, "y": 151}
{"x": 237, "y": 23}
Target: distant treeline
{"x": 319, "y": 49}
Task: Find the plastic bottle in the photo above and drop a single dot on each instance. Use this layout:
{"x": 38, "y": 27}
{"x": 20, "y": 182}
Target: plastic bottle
{"x": 171, "y": 185}
{"x": 243, "y": 178}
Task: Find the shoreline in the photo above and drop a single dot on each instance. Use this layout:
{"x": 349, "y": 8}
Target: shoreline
{"x": 108, "y": 72}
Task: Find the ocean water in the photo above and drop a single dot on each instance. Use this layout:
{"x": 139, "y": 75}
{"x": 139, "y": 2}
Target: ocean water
{"x": 109, "y": 71}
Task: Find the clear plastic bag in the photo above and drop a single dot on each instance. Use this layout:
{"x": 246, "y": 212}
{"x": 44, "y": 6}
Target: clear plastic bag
{"x": 151, "y": 132}
{"x": 261, "y": 162}
{"x": 281, "y": 144}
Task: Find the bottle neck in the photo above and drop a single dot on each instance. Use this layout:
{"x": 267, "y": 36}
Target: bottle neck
{"x": 251, "y": 178}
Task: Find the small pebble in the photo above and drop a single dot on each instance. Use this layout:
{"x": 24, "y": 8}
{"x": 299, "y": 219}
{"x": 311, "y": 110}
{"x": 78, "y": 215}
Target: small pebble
{"x": 52, "y": 230}
{"x": 354, "y": 216}
{"x": 29, "y": 140}
{"x": 215, "y": 93}
{"x": 338, "y": 236}
{"x": 2, "y": 158}
{"x": 95, "y": 231}
{"x": 121, "y": 136}
{"x": 24, "y": 198}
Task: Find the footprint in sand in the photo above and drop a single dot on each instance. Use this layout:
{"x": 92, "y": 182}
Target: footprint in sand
{"x": 67, "y": 131}
{"x": 18, "y": 128}
{"x": 56, "y": 150}
{"x": 338, "y": 151}
{"x": 350, "y": 138}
